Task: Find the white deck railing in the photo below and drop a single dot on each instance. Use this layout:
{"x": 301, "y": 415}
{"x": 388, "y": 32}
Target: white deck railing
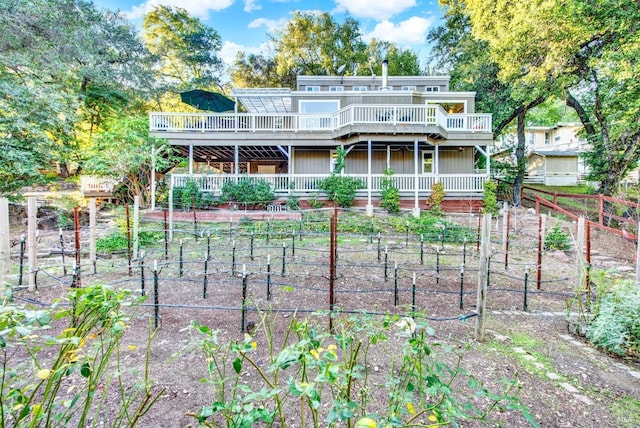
{"x": 93, "y": 184}
{"x": 309, "y": 183}
{"x": 427, "y": 115}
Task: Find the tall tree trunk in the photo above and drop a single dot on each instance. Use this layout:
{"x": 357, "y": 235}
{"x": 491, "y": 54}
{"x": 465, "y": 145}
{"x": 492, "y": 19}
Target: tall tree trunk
{"x": 521, "y": 165}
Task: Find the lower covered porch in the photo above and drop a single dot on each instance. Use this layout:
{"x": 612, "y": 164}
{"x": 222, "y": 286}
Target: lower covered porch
{"x": 298, "y": 170}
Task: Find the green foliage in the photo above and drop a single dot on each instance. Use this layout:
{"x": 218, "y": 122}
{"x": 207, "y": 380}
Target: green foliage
{"x": 390, "y": 196}
{"x": 615, "y": 325}
{"x": 116, "y": 242}
{"x": 188, "y": 196}
{"x": 436, "y": 198}
{"x": 66, "y": 68}
{"x": 489, "y": 198}
{"x": 314, "y": 202}
{"x": 125, "y": 151}
{"x": 556, "y": 239}
{"x": 35, "y": 388}
{"x": 250, "y": 192}
{"x": 293, "y": 202}
{"x": 187, "y": 48}
{"x": 339, "y": 188}
{"x": 325, "y": 375}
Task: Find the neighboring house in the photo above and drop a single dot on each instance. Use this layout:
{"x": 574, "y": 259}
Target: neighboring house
{"x": 553, "y": 153}
{"x": 413, "y": 125}
{"x": 553, "y": 167}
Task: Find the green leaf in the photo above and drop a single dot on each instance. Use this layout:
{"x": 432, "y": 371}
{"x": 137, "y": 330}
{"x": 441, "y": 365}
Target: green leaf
{"x": 85, "y": 370}
{"x": 237, "y": 365}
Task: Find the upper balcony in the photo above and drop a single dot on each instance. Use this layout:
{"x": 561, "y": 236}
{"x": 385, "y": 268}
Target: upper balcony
{"x": 353, "y": 119}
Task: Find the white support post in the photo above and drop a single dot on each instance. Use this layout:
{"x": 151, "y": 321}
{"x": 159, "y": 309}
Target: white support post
{"x": 92, "y": 231}
{"x": 236, "y": 161}
{"x": 369, "y": 203}
{"x": 388, "y": 156}
{"x": 32, "y": 246}
{"x": 505, "y": 230}
{"x": 191, "y": 159}
{"x": 136, "y": 225}
{"x": 5, "y": 245}
{"x": 416, "y": 180}
{"x": 483, "y": 274}
{"x": 170, "y": 208}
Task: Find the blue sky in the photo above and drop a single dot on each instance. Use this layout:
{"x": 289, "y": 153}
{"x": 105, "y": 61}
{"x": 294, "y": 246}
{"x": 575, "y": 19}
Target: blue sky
{"x": 244, "y": 24}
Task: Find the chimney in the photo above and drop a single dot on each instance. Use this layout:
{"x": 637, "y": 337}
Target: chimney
{"x": 385, "y": 75}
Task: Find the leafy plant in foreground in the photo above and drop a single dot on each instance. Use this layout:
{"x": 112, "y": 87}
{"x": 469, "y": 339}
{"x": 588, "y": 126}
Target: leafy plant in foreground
{"x": 325, "y": 376}
{"x": 37, "y": 368}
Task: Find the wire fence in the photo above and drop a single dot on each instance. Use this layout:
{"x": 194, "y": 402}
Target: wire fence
{"x": 385, "y": 264}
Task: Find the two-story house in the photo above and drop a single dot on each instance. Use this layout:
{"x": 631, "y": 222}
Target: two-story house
{"x": 412, "y": 125}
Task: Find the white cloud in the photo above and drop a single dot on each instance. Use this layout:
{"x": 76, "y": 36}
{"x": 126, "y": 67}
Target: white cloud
{"x": 251, "y": 5}
{"x": 230, "y": 49}
{"x": 374, "y": 9}
{"x": 270, "y": 24}
{"x": 412, "y": 31}
{"x": 198, "y": 8}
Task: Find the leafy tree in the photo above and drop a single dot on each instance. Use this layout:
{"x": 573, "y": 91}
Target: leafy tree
{"x": 313, "y": 43}
{"x": 55, "y": 57}
{"x": 467, "y": 57}
{"x": 187, "y": 51}
{"x": 126, "y": 152}
{"x": 588, "y": 51}
{"x": 257, "y": 71}
{"x": 401, "y": 62}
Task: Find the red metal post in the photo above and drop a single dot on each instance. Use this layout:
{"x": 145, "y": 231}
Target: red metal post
{"x": 539, "y": 264}
{"x": 588, "y": 260}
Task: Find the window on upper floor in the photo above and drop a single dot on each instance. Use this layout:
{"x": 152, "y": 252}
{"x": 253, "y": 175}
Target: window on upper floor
{"x": 431, "y": 88}
{"x": 409, "y": 88}
{"x": 336, "y": 88}
{"x": 360, "y": 88}
{"x": 313, "y": 88}
{"x": 547, "y": 138}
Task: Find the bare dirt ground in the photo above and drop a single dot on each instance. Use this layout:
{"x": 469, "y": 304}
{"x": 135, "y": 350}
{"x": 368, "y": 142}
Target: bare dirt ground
{"x": 564, "y": 381}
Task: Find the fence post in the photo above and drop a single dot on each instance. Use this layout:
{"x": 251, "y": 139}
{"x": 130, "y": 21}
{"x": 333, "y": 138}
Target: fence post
{"x": 76, "y": 223}
{"x": 483, "y": 273}
{"x": 92, "y": 235}
{"x": 244, "y": 298}
{"x": 638, "y": 257}
{"x": 156, "y": 300}
{"x": 580, "y": 254}
{"x": 5, "y": 244}
{"x": 128, "y": 237}
{"x": 136, "y": 225}
{"x": 505, "y": 235}
{"x": 32, "y": 225}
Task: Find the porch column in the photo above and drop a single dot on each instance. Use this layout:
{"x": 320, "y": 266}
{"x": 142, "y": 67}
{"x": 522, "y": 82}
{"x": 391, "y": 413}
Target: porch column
{"x": 289, "y": 172}
{"x": 191, "y": 159}
{"x": 436, "y": 161}
{"x": 236, "y": 159}
{"x": 369, "y": 204}
{"x": 388, "y": 156}
{"x": 416, "y": 181}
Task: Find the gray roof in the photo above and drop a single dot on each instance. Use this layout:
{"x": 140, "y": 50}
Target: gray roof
{"x": 555, "y": 153}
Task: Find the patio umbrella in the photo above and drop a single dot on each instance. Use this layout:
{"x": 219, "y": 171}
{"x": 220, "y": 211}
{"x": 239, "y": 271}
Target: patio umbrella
{"x": 206, "y": 100}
